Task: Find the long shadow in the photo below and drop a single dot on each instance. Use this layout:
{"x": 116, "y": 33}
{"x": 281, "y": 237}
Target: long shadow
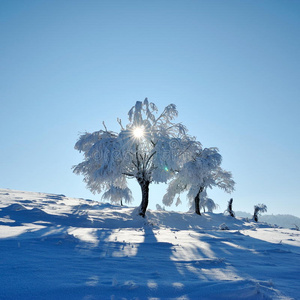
{"x": 85, "y": 216}
{"x": 51, "y": 263}
{"x": 147, "y": 272}
{"x": 265, "y": 268}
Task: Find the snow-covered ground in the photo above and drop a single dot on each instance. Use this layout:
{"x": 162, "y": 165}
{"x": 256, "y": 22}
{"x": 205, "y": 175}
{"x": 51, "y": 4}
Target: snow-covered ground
{"x": 55, "y": 247}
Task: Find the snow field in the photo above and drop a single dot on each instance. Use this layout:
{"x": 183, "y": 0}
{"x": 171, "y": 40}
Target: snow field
{"x": 55, "y": 247}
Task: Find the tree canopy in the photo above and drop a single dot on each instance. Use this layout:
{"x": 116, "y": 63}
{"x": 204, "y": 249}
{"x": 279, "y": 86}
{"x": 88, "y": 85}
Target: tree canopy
{"x": 150, "y": 148}
{"x": 196, "y": 175}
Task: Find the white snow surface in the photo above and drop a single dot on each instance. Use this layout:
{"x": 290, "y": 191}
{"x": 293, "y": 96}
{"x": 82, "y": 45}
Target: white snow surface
{"x": 55, "y": 247}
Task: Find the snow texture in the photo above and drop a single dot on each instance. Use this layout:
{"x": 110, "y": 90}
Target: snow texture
{"x": 55, "y": 247}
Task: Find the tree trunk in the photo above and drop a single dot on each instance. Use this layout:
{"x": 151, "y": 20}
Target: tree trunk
{"x": 145, "y": 196}
{"x": 230, "y": 211}
{"x": 197, "y": 202}
{"x": 255, "y": 215}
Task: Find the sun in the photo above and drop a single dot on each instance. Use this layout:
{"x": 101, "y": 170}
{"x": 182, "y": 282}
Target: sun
{"x": 138, "y": 132}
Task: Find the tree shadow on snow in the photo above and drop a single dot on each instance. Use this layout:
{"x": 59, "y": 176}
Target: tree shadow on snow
{"x": 96, "y": 263}
{"x": 253, "y": 268}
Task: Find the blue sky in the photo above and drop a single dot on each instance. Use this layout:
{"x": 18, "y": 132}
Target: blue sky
{"x": 231, "y": 67}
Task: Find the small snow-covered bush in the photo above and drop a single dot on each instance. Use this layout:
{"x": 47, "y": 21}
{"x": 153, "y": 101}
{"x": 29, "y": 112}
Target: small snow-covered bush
{"x": 223, "y": 227}
{"x": 259, "y": 208}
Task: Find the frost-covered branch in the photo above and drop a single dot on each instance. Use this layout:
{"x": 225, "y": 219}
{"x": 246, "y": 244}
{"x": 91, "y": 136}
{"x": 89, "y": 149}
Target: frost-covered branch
{"x": 104, "y": 126}
{"x": 120, "y": 123}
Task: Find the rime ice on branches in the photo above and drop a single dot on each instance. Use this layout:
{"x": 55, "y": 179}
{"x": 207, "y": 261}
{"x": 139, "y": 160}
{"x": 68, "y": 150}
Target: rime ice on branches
{"x": 201, "y": 172}
{"x": 150, "y": 148}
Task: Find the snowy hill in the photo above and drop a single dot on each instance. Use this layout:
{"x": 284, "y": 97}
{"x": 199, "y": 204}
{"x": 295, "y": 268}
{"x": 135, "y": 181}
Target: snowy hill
{"x": 55, "y": 247}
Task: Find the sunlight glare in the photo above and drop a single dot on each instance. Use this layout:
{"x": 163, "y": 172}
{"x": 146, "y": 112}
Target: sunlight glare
{"x": 138, "y": 132}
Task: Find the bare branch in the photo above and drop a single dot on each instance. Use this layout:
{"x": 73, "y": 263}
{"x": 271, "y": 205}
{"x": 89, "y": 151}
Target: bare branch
{"x": 105, "y": 126}
{"x": 135, "y": 164}
{"x": 150, "y": 158}
{"x": 120, "y": 123}
{"x": 141, "y": 156}
{"x": 128, "y": 174}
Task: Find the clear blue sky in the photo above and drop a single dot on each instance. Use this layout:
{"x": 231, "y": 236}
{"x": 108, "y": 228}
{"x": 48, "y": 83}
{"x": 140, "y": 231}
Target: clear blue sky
{"x": 231, "y": 67}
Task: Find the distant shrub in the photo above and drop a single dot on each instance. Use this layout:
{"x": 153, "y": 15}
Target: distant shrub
{"x": 259, "y": 208}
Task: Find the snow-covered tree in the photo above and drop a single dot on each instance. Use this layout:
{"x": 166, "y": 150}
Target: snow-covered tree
{"x": 201, "y": 172}
{"x": 149, "y": 148}
{"x": 258, "y": 209}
